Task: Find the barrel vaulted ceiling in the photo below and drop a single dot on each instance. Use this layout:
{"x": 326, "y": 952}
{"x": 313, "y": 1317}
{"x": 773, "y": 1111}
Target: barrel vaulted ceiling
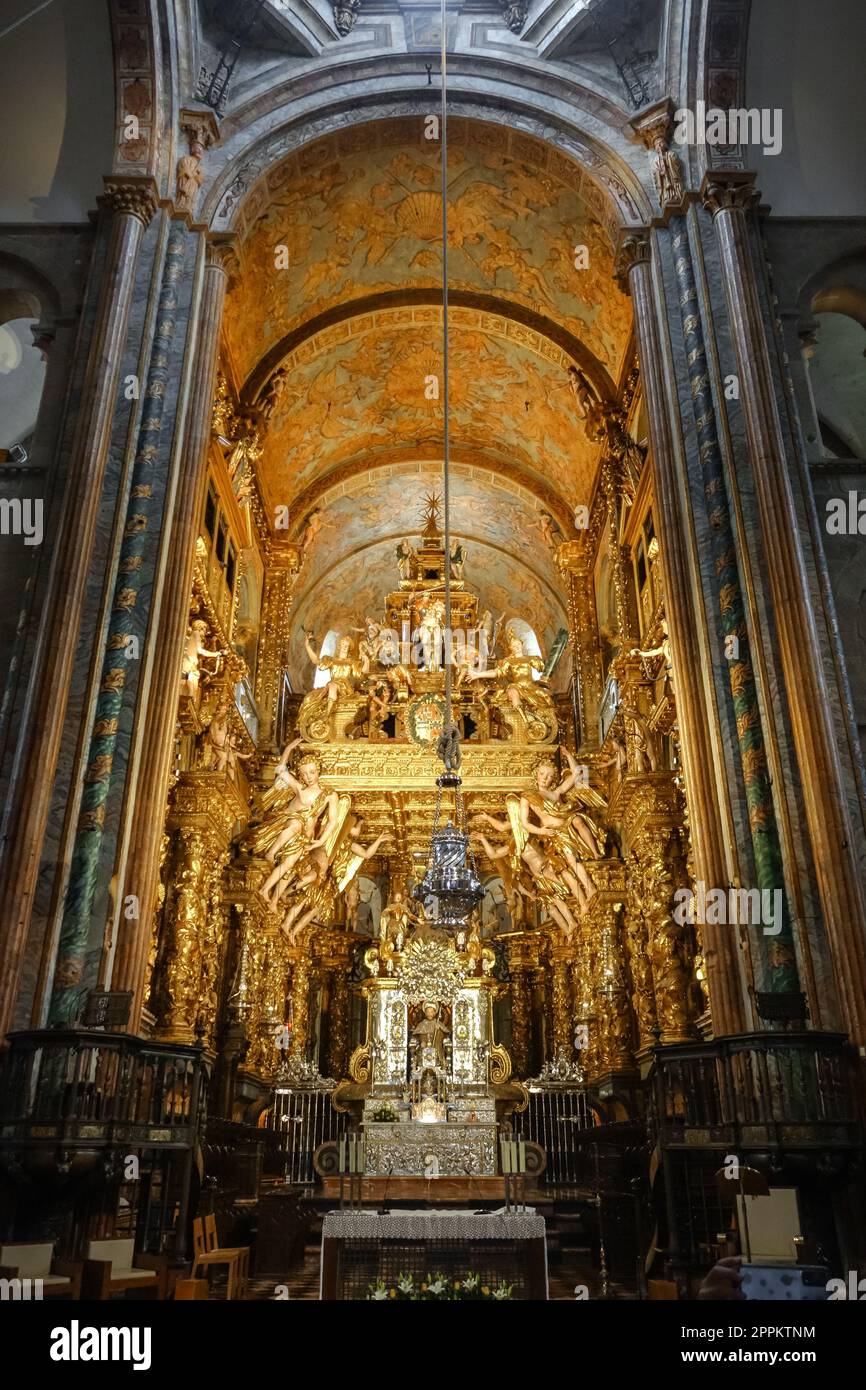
{"x": 341, "y": 284}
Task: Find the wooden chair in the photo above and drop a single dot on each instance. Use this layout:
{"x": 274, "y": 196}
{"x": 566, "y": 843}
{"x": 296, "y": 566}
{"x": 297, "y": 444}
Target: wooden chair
{"x": 204, "y": 1259}
{"x": 58, "y": 1278}
{"x": 212, "y": 1244}
{"x": 112, "y": 1266}
{"x": 195, "y": 1289}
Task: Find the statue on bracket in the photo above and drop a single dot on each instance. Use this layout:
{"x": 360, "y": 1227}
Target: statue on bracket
{"x": 193, "y": 652}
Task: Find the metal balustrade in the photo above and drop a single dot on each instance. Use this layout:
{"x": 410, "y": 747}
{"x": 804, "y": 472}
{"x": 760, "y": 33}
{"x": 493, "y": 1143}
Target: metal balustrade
{"x": 554, "y": 1118}
{"x": 304, "y": 1118}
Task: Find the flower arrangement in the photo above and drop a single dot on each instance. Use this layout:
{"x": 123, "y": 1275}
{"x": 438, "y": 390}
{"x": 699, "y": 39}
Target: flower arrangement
{"x": 385, "y": 1115}
{"x": 438, "y": 1288}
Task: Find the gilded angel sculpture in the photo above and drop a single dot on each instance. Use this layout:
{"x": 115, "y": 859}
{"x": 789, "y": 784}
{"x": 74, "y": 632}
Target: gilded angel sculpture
{"x": 524, "y": 702}
{"x": 298, "y": 817}
{"x": 344, "y": 672}
{"x": 328, "y": 871}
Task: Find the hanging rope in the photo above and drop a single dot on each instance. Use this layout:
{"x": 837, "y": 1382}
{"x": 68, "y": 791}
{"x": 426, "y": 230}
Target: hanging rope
{"x": 448, "y": 747}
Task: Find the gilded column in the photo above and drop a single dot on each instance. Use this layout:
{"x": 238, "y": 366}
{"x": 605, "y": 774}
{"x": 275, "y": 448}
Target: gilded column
{"x": 668, "y": 942}
{"x": 205, "y": 809}
{"x": 276, "y": 631}
{"x": 624, "y": 604}
{"x": 683, "y": 613}
{"x": 300, "y": 996}
{"x": 518, "y": 966}
{"x": 575, "y": 562}
{"x": 640, "y": 967}
{"x": 729, "y": 195}
{"x": 615, "y": 1034}
{"x": 561, "y": 1004}
{"x": 131, "y": 202}
{"x": 334, "y": 957}
{"x": 177, "y": 994}
{"x": 168, "y": 625}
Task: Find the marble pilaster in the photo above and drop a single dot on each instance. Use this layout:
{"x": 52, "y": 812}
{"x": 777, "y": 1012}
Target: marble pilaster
{"x": 683, "y": 610}
{"x": 130, "y": 202}
{"x": 171, "y": 615}
{"x": 729, "y": 195}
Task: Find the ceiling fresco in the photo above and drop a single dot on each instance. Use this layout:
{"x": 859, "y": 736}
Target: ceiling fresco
{"x": 354, "y": 320}
{"x": 364, "y": 218}
{"x": 363, "y": 390}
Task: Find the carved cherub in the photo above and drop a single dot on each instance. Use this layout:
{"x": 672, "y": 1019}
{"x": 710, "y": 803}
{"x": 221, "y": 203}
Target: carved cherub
{"x": 194, "y": 651}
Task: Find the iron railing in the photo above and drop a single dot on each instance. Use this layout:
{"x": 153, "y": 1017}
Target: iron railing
{"x": 554, "y": 1118}
{"x": 304, "y": 1118}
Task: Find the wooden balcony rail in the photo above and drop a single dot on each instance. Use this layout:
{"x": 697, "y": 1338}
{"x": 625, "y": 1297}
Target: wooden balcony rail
{"x": 76, "y": 1085}
{"x": 757, "y": 1089}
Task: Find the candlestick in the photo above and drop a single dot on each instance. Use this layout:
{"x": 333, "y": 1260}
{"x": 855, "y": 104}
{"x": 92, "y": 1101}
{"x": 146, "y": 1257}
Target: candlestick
{"x": 342, "y": 1161}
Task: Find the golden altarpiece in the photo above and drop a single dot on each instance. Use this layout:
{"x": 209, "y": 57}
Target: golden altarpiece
{"x": 280, "y": 803}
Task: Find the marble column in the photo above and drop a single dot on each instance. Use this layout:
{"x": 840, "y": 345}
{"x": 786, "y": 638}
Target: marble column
{"x": 729, "y": 195}
{"x": 683, "y": 612}
{"x": 130, "y": 202}
{"x": 70, "y": 987}
{"x": 171, "y": 614}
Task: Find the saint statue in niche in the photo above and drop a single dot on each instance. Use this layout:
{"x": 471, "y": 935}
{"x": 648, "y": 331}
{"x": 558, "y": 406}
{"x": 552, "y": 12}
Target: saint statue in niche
{"x": 430, "y": 1032}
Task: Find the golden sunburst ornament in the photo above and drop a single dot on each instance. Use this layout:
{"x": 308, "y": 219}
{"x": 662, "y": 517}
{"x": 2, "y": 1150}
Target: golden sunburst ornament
{"x": 430, "y": 970}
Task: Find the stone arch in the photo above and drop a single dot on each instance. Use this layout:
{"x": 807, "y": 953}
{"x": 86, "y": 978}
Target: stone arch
{"x": 621, "y": 183}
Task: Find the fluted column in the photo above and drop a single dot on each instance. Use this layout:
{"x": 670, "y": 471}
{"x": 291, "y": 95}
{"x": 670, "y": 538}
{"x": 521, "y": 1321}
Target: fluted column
{"x": 171, "y": 612}
{"x": 683, "y": 615}
{"x": 729, "y": 195}
{"x": 132, "y": 202}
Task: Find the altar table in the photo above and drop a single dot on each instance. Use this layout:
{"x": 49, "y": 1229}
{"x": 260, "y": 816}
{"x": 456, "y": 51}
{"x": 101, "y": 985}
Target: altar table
{"x": 361, "y": 1247}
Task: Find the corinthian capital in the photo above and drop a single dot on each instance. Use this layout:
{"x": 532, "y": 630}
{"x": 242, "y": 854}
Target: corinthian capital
{"x": 222, "y": 254}
{"x": 633, "y": 248}
{"x": 727, "y": 190}
{"x": 133, "y": 195}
